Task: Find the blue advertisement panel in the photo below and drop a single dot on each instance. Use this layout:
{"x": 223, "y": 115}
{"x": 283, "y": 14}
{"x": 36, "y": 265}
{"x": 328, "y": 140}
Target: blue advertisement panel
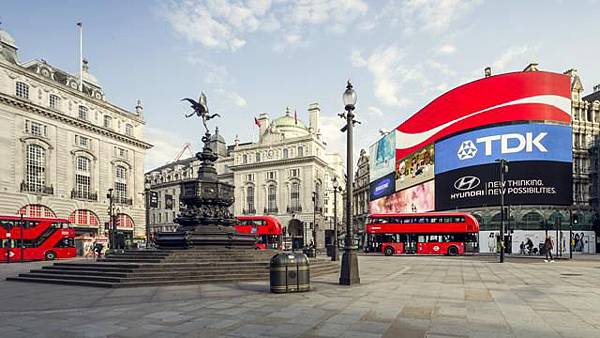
{"x": 382, "y": 187}
{"x": 382, "y": 160}
{"x": 519, "y": 142}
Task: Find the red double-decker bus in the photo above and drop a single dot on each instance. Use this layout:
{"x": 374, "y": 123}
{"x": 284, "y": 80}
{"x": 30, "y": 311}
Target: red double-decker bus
{"x": 267, "y": 229}
{"x": 443, "y": 233}
{"x": 31, "y": 239}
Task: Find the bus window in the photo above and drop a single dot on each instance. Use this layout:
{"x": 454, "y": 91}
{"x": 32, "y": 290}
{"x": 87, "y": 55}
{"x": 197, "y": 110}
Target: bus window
{"x": 7, "y": 224}
{"x": 422, "y": 239}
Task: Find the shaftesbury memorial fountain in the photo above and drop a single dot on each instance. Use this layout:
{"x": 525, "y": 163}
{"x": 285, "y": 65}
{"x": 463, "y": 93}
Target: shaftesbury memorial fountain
{"x": 205, "y": 218}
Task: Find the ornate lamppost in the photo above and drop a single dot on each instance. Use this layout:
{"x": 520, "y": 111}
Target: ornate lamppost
{"x": 147, "y": 186}
{"x": 111, "y": 221}
{"x": 503, "y": 170}
{"x": 349, "y": 273}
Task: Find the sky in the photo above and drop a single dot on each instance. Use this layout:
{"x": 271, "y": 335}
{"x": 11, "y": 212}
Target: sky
{"x": 253, "y": 56}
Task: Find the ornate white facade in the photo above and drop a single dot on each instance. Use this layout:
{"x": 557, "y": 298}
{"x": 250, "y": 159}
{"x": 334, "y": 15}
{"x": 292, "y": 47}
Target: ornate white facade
{"x": 64, "y": 146}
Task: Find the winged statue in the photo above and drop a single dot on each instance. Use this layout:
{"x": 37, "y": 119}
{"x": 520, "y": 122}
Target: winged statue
{"x": 200, "y": 108}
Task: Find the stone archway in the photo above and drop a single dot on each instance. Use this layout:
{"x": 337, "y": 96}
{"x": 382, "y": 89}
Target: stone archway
{"x": 296, "y": 232}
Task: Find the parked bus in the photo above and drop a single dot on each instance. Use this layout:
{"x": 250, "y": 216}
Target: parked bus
{"x": 37, "y": 239}
{"x": 433, "y": 233}
{"x": 267, "y": 229}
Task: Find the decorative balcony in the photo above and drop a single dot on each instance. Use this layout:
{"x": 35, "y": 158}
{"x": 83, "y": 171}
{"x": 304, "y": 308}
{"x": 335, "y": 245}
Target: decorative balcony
{"x": 271, "y": 210}
{"x": 293, "y": 209}
{"x": 36, "y": 188}
{"x": 122, "y": 200}
{"x": 83, "y": 195}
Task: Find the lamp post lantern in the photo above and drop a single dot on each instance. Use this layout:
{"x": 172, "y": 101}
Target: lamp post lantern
{"x": 147, "y": 197}
{"x": 349, "y": 273}
{"x": 334, "y": 250}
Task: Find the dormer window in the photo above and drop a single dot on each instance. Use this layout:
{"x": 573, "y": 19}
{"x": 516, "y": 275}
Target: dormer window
{"x": 83, "y": 113}
{"x": 22, "y": 90}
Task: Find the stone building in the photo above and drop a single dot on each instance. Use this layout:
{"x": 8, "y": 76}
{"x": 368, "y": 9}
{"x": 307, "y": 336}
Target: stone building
{"x": 279, "y": 174}
{"x": 360, "y": 198}
{"x": 63, "y": 145}
{"x": 165, "y": 180}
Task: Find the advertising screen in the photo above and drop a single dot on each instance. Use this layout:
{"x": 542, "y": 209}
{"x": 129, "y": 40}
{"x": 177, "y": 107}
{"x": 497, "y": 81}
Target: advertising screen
{"x": 518, "y": 96}
{"x": 527, "y": 182}
{"x": 419, "y": 198}
{"x": 519, "y": 142}
{"x": 415, "y": 168}
{"x": 382, "y": 187}
{"x": 382, "y": 156}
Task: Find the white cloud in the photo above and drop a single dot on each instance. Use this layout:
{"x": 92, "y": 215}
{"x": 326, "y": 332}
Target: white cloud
{"x": 233, "y": 97}
{"x": 374, "y": 111}
{"x": 447, "y": 49}
{"x": 330, "y": 131}
{"x": 223, "y": 24}
{"x": 510, "y": 56}
{"x": 165, "y": 147}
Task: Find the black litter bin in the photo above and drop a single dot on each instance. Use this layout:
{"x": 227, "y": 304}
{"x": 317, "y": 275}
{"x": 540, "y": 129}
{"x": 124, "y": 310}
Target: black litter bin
{"x": 289, "y": 272}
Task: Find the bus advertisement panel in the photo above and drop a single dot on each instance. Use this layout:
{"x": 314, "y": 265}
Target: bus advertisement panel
{"x": 520, "y": 142}
{"x": 382, "y": 156}
{"x": 541, "y": 182}
{"x": 419, "y": 198}
{"x": 415, "y": 168}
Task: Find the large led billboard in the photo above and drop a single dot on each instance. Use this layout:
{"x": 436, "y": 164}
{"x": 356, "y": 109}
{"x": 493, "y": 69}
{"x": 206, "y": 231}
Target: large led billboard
{"x": 527, "y": 182}
{"x": 382, "y": 187}
{"x": 382, "y": 159}
{"x": 504, "y": 98}
{"x": 415, "y": 168}
{"x": 520, "y": 142}
{"x": 415, "y": 199}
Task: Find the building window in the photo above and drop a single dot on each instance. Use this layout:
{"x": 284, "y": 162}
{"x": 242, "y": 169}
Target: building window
{"x": 35, "y": 172}
{"x": 82, "y": 178}
{"x": 36, "y": 128}
{"x": 272, "y": 198}
{"x": 295, "y": 196}
{"x": 121, "y": 184}
{"x": 250, "y": 177}
{"x": 82, "y": 141}
{"x": 250, "y": 199}
{"x": 257, "y": 157}
{"x": 83, "y": 217}
{"x": 294, "y": 172}
{"x": 54, "y": 101}
{"x": 120, "y": 152}
{"x": 22, "y": 90}
{"x": 129, "y": 130}
{"x": 270, "y": 175}
{"x": 244, "y": 159}
{"x": 300, "y": 151}
{"x": 285, "y": 153}
{"x": 37, "y": 210}
{"x": 83, "y": 113}
{"x": 107, "y": 121}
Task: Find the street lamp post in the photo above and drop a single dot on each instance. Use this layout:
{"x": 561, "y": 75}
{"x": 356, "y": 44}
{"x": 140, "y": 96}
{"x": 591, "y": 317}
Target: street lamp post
{"x": 147, "y": 196}
{"x": 334, "y": 250}
{"x": 314, "y": 225}
{"x": 349, "y": 273}
{"x": 111, "y": 221}
{"x": 21, "y": 225}
{"x": 503, "y": 169}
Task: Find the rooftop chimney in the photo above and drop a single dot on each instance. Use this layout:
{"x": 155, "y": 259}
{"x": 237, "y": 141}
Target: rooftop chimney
{"x": 487, "y": 71}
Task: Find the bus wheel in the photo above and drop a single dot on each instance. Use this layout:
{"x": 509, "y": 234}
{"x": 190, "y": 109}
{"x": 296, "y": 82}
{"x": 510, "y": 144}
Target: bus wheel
{"x": 452, "y": 251}
{"x": 388, "y": 251}
{"x": 50, "y": 255}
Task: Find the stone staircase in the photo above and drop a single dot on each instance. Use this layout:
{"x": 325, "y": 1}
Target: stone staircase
{"x": 167, "y": 267}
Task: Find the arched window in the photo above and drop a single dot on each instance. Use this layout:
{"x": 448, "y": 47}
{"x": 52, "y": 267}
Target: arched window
{"x": 300, "y": 151}
{"x": 250, "y": 199}
{"x": 121, "y": 184}
{"x": 257, "y": 157}
{"x": 22, "y": 90}
{"x": 82, "y": 178}
{"x": 128, "y": 130}
{"x": 244, "y": 159}
{"x": 272, "y": 198}
{"x": 107, "y": 121}
{"x": 295, "y": 197}
{"x": 37, "y": 210}
{"x": 124, "y": 221}
{"x": 84, "y": 217}
{"x": 285, "y": 153}
{"x": 35, "y": 168}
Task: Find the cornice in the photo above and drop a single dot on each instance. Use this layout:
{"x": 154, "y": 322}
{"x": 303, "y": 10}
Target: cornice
{"x": 273, "y": 163}
{"x": 36, "y": 109}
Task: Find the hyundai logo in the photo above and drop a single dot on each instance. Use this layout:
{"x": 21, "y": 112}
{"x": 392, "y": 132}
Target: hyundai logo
{"x": 466, "y": 183}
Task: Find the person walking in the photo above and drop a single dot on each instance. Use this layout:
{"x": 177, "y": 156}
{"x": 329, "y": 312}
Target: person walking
{"x": 548, "y": 246}
{"x": 522, "y": 248}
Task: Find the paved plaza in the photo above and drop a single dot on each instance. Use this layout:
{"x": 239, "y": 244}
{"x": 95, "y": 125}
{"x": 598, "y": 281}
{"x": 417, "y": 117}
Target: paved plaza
{"x": 398, "y": 297}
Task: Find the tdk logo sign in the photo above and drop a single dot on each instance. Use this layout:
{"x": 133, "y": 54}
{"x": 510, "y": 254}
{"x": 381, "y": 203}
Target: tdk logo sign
{"x": 509, "y": 144}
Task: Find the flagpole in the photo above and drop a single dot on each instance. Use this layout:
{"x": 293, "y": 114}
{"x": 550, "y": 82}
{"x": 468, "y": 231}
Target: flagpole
{"x": 80, "y": 25}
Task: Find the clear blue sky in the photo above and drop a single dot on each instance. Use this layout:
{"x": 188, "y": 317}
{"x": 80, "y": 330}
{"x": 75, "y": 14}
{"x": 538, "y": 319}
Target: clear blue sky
{"x": 262, "y": 56}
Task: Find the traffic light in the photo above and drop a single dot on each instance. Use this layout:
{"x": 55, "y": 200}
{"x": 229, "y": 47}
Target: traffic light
{"x": 575, "y": 219}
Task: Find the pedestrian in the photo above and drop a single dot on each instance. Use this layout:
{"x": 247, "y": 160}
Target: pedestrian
{"x": 529, "y": 246}
{"x": 492, "y": 242}
{"x": 522, "y": 248}
{"x": 94, "y": 248}
{"x": 548, "y": 245}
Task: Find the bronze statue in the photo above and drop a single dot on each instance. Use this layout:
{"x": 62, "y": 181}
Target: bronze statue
{"x": 200, "y": 109}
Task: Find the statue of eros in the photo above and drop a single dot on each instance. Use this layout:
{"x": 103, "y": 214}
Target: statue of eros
{"x": 200, "y": 109}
